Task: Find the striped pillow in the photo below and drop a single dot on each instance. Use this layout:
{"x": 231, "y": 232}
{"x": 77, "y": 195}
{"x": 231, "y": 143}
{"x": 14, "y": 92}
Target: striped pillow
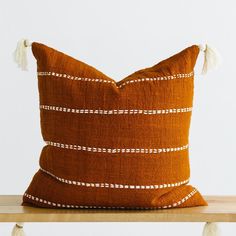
{"x": 114, "y": 144}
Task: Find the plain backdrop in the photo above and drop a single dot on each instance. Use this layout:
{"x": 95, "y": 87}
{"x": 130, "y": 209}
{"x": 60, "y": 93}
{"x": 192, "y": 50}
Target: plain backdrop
{"x": 120, "y": 37}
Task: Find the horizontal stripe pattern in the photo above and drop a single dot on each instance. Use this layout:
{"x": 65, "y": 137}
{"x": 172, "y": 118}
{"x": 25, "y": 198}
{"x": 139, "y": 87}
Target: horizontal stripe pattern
{"x": 61, "y": 205}
{"x": 113, "y": 185}
{"x": 116, "y": 111}
{"x": 116, "y": 150}
{"x": 159, "y": 78}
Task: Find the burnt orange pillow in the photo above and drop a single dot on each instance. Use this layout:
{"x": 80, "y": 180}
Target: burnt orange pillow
{"x": 114, "y": 144}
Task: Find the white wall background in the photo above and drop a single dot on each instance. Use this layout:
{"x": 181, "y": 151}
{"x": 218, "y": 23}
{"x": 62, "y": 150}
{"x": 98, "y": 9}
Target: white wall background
{"x": 119, "y": 37}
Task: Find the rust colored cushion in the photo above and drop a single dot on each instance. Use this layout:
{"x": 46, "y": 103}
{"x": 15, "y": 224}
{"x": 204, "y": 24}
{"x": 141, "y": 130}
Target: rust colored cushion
{"x": 114, "y": 144}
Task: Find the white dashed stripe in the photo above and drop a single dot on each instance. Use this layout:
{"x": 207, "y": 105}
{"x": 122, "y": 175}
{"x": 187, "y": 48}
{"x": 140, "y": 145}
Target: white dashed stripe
{"x": 63, "y": 205}
{"x": 72, "y": 77}
{"x": 116, "y": 112}
{"x": 116, "y": 150}
{"x": 120, "y": 186}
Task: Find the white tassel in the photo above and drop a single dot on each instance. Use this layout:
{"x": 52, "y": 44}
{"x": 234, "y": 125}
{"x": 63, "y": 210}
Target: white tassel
{"x": 18, "y": 230}
{"x": 20, "y": 53}
{"x": 211, "y": 58}
{"x": 211, "y": 229}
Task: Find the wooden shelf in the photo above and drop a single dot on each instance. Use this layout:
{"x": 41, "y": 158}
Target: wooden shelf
{"x": 220, "y": 209}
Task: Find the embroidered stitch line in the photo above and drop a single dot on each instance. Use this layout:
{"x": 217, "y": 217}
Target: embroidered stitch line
{"x": 109, "y": 185}
{"x": 54, "y": 204}
{"x": 116, "y": 112}
{"x": 116, "y": 150}
{"x": 160, "y": 78}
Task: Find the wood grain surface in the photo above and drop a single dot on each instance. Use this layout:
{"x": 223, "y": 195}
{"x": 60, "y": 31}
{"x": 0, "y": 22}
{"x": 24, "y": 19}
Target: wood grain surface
{"x": 220, "y": 209}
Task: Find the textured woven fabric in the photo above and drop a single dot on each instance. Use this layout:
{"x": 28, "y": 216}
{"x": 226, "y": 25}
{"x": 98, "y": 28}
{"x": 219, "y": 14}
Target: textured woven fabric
{"x": 114, "y": 144}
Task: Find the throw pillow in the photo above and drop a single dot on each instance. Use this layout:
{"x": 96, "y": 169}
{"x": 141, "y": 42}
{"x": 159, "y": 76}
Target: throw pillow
{"x": 114, "y": 144}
